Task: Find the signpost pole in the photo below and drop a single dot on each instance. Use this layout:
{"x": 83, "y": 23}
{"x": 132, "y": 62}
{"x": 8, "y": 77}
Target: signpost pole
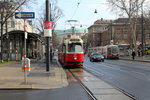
{"x": 25, "y": 49}
{"x": 25, "y": 15}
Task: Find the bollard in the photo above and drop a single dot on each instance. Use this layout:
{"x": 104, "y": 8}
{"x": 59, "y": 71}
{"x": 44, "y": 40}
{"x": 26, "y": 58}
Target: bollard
{"x": 25, "y": 68}
{"x": 26, "y": 64}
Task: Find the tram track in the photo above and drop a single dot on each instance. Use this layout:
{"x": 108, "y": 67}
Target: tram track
{"x": 88, "y": 82}
{"x": 74, "y": 78}
{"x": 82, "y": 85}
{"x": 90, "y": 70}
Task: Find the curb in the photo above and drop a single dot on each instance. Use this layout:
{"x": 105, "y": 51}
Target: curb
{"x": 135, "y": 60}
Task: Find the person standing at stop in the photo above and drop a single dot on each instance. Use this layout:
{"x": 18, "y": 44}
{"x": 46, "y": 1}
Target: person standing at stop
{"x": 133, "y": 54}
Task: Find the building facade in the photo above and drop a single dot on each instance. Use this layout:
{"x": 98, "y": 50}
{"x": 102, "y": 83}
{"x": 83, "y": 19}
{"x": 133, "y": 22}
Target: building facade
{"x": 12, "y": 40}
{"x": 119, "y": 32}
{"x": 98, "y": 33}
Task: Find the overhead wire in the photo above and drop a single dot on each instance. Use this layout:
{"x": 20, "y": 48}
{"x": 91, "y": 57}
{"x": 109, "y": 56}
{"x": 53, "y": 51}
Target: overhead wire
{"x": 76, "y": 9}
{"x": 74, "y": 13}
{"x": 78, "y": 5}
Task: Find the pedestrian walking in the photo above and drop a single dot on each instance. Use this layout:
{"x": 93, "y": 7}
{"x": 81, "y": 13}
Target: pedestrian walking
{"x": 133, "y": 54}
{"x": 139, "y": 52}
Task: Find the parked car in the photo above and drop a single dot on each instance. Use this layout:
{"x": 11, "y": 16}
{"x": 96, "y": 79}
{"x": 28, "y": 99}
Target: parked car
{"x": 96, "y": 57}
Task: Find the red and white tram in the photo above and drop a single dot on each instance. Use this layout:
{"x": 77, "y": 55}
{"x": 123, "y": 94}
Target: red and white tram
{"x": 71, "y": 51}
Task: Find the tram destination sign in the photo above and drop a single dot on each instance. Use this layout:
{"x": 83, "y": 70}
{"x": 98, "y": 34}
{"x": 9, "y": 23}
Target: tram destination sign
{"x": 24, "y": 15}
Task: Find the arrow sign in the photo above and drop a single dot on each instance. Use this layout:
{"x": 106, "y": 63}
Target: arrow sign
{"x": 24, "y": 15}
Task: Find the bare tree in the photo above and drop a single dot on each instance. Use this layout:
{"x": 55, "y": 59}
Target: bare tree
{"x": 147, "y": 13}
{"x": 147, "y": 19}
{"x": 56, "y": 14}
{"x": 131, "y": 9}
{"x": 7, "y": 9}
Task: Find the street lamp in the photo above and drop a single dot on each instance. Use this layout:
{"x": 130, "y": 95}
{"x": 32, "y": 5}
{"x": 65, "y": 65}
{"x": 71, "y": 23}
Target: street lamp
{"x": 95, "y": 11}
{"x": 142, "y": 30}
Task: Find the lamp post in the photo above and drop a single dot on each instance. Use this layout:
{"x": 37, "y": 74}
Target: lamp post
{"x": 142, "y": 31}
{"x": 111, "y": 32}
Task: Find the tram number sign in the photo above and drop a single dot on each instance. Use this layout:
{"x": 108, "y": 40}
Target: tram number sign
{"x": 48, "y": 28}
{"x": 48, "y": 25}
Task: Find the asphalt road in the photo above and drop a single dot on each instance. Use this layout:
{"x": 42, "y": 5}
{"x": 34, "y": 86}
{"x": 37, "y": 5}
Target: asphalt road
{"x": 129, "y": 76}
{"x": 72, "y": 92}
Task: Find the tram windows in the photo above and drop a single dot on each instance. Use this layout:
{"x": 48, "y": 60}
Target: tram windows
{"x": 114, "y": 51}
{"x": 75, "y": 47}
{"x": 109, "y": 51}
{"x": 78, "y": 48}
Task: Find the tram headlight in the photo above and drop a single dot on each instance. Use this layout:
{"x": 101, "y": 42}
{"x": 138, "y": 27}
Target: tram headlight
{"x": 102, "y": 57}
{"x": 75, "y": 58}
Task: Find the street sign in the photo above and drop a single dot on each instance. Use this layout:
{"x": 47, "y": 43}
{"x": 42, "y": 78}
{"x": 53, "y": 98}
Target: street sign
{"x": 24, "y": 15}
{"x": 48, "y": 28}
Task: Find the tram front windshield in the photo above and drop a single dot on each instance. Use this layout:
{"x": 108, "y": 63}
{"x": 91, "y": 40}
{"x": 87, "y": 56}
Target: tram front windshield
{"x": 113, "y": 50}
{"x": 75, "y": 47}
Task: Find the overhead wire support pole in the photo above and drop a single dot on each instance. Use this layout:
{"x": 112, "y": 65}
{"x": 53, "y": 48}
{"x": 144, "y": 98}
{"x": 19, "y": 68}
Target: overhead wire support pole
{"x": 142, "y": 30}
{"x": 47, "y": 38}
{"x": 51, "y": 54}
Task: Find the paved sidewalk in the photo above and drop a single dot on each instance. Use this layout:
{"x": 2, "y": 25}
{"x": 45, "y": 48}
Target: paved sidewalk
{"x": 12, "y": 76}
{"x": 145, "y": 58}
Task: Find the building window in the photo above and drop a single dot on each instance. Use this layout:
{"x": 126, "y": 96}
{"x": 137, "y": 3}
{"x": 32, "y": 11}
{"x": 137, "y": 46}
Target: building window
{"x": 12, "y": 24}
{"x": 118, "y": 36}
{"x": 147, "y": 36}
{"x": 125, "y": 36}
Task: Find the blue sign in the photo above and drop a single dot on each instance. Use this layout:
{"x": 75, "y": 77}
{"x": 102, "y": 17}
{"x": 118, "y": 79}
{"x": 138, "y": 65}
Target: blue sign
{"x": 24, "y": 15}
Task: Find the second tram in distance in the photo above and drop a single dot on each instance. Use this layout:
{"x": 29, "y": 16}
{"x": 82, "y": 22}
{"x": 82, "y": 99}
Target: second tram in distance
{"x": 108, "y": 51}
{"x": 71, "y": 51}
